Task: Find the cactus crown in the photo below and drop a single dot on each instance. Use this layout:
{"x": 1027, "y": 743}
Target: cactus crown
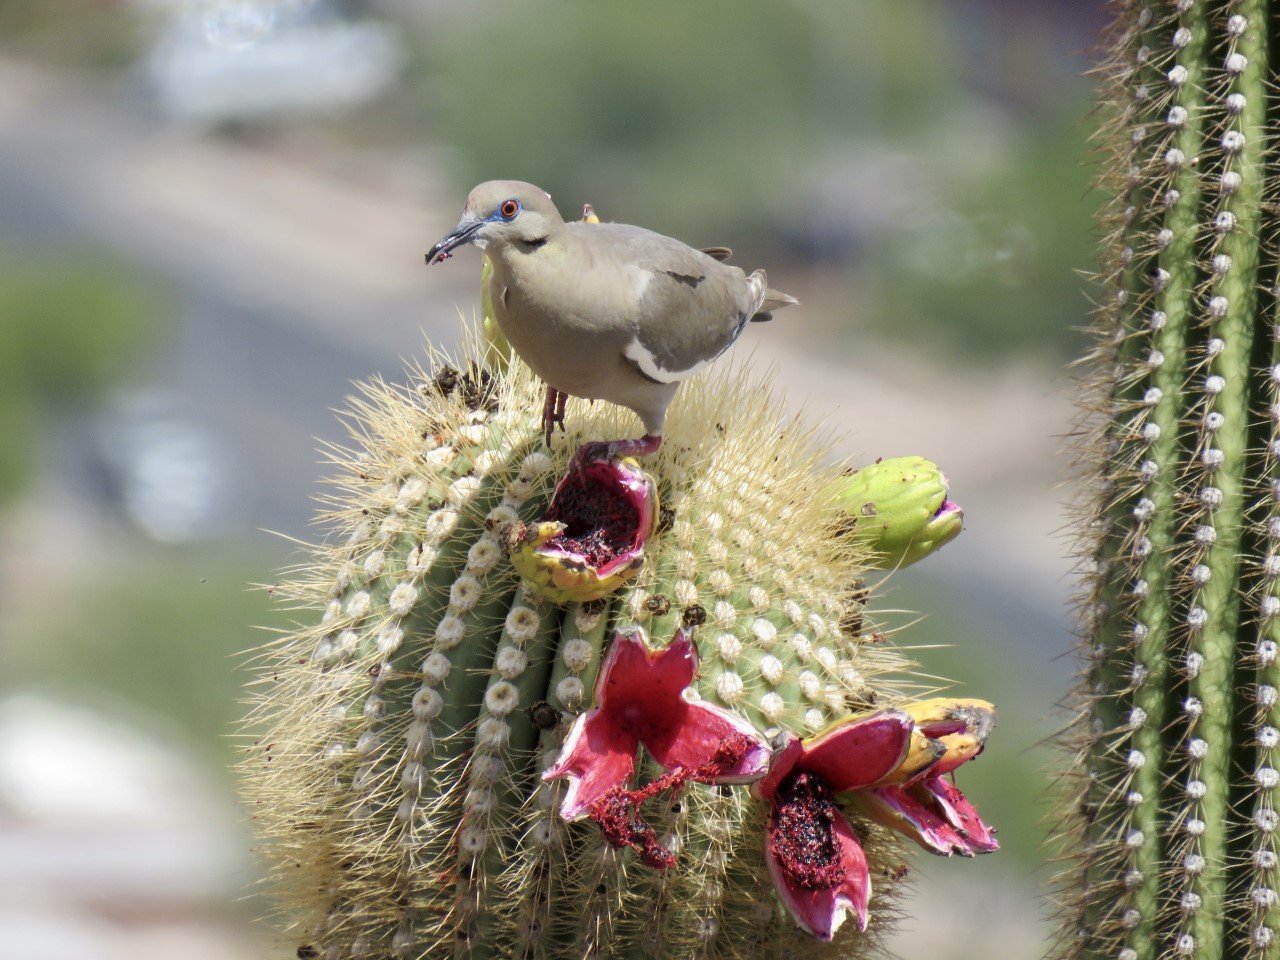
{"x": 399, "y": 739}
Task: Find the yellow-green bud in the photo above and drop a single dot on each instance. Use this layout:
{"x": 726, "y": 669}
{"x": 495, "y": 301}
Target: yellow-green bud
{"x": 899, "y": 509}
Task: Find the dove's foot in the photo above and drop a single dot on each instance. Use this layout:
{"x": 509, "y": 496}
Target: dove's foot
{"x": 608, "y": 449}
{"x": 553, "y": 411}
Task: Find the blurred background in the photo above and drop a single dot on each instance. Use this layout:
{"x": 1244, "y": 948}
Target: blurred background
{"x": 212, "y": 221}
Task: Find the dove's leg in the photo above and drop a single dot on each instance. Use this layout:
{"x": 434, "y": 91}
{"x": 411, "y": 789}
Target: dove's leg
{"x": 561, "y": 399}
{"x": 553, "y": 411}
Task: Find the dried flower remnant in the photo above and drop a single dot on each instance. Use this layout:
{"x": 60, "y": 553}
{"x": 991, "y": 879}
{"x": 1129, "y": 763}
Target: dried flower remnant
{"x": 814, "y": 858}
{"x": 640, "y": 701}
{"x": 927, "y": 806}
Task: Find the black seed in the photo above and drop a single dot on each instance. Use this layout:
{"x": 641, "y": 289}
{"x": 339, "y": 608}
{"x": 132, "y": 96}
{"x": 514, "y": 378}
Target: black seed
{"x": 543, "y": 715}
{"x": 446, "y": 379}
{"x": 658, "y": 605}
{"x": 862, "y": 700}
{"x": 666, "y": 519}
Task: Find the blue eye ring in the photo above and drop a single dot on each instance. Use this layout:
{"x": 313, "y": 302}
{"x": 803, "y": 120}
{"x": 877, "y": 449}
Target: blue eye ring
{"x": 508, "y": 210}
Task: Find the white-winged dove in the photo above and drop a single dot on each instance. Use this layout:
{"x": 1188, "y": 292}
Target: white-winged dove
{"x": 605, "y": 311}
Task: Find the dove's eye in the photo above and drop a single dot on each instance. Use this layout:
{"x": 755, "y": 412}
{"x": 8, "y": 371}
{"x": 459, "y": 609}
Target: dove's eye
{"x": 509, "y": 209}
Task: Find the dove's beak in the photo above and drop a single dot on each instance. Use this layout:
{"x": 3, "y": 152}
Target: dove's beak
{"x": 464, "y": 232}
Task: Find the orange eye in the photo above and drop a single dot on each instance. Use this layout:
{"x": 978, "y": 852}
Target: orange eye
{"x": 509, "y": 209}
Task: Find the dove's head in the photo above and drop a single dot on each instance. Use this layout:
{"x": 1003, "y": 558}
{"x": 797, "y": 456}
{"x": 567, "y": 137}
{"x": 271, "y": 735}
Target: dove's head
{"x": 501, "y": 212}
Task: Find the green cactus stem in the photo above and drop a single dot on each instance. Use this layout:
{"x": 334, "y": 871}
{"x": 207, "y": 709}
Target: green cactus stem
{"x": 402, "y": 735}
{"x": 1175, "y": 840}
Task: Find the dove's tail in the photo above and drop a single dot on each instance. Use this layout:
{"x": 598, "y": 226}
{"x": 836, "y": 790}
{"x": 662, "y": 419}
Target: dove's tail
{"x": 770, "y": 300}
{"x": 773, "y": 300}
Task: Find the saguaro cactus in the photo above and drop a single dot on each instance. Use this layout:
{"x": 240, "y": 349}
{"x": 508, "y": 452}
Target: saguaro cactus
{"x": 479, "y": 750}
{"x": 1176, "y": 741}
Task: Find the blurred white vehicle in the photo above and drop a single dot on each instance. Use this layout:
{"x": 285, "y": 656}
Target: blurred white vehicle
{"x": 169, "y": 474}
{"x": 220, "y": 60}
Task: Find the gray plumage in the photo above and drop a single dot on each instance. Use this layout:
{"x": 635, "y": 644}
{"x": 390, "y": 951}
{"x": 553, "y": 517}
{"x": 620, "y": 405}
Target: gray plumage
{"x": 605, "y": 310}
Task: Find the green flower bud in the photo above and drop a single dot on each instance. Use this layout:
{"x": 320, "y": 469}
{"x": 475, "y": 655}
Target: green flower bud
{"x": 899, "y": 509}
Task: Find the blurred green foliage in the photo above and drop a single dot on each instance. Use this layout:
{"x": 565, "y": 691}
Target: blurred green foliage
{"x": 165, "y": 630}
{"x": 881, "y": 139}
{"x": 97, "y": 36}
{"x": 996, "y": 266}
{"x": 700, "y": 115}
{"x": 820, "y": 132}
{"x": 71, "y": 325}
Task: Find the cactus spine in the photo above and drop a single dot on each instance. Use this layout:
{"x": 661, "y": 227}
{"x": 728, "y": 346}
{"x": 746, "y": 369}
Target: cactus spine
{"x": 394, "y": 777}
{"x": 1175, "y": 842}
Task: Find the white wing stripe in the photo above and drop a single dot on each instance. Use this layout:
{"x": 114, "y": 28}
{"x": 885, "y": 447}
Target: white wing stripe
{"x": 647, "y": 364}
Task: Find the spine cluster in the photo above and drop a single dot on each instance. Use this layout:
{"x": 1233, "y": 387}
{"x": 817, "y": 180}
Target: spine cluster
{"x": 1175, "y": 839}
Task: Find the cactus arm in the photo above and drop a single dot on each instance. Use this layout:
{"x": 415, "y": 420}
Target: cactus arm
{"x": 1262, "y": 856}
{"x": 1116, "y": 689}
{"x": 1173, "y": 736}
{"x": 1168, "y": 317}
{"x": 1231, "y": 308}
